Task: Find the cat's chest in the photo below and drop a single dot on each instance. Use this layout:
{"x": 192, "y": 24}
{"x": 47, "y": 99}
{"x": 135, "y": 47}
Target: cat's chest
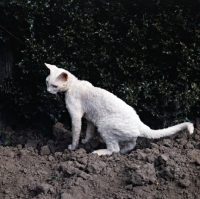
{"x": 72, "y": 101}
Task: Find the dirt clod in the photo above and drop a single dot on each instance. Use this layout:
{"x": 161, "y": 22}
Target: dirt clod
{"x": 45, "y": 150}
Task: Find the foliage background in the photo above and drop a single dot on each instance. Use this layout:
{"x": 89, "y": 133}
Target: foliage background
{"x": 145, "y": 52}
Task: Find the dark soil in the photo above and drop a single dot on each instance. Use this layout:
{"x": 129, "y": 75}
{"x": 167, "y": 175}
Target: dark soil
{"x": 34, "y": 167}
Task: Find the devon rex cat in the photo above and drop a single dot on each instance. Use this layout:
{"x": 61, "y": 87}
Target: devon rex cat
{"x": 115, "y": 120}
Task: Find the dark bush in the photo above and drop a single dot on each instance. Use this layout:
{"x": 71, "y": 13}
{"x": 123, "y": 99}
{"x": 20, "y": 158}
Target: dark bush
{"x": 146, "y": 52}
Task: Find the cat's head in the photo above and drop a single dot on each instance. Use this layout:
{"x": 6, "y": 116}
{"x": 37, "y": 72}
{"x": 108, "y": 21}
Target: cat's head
{"x": 57, "y": 81}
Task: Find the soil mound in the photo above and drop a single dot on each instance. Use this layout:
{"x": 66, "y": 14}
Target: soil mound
{"x": 34, "y": 167}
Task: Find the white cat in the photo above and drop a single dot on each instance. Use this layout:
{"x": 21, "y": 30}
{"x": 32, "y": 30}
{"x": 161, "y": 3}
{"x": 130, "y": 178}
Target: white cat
{"x": 115, "y": 120}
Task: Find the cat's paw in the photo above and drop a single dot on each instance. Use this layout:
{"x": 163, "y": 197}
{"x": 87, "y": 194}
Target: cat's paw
{"x": 71, "y": 147}
{"x": 84, "y": 141}
{"x": 102, "y": 152}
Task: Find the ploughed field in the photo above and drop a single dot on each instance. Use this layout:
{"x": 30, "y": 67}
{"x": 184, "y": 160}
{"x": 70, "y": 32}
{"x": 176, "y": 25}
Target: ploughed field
{"x": 34, "y": 167}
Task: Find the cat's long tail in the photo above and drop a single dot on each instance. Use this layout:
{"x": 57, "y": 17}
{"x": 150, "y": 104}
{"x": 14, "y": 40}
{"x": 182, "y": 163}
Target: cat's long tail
{"x": 156, "y": 134}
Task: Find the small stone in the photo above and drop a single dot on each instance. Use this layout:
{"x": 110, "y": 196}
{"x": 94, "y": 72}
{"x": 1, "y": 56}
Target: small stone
{"x": 147, "y": 150}
{"x": 153, "y": 145}
{"x": 189, "y": 145}
{"x": 52, "y": 190}
{"x": 7, "y": 191}
{"x": 79, "y": 181}
{"x": 9, "y": 154}
{"x": 184, "y": 183}
{"x": 194, "y": 155}
{"x": 45, "y": 150}
{"x": 167, "y": 142}
{"x": 19, "y": 146}
{"x": 44, "y": 187}
{"x": 150, "y": 158}
{"x": 140, "y": 155}
{"x": 31, "y": 143}
{"x": 129, "y": 187}
{"x": 51, "y": 158}
{"x": 23, "y": 152}
{"x": 163, "y": 158}
{"x": 96, "y": 167}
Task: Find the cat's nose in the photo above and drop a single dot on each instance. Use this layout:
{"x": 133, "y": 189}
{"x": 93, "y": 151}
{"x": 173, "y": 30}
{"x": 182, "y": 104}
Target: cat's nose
{"x": 49, "y": 90}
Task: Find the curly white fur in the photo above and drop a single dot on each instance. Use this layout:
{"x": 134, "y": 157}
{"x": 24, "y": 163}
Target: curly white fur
{"x": 115, "y": 120}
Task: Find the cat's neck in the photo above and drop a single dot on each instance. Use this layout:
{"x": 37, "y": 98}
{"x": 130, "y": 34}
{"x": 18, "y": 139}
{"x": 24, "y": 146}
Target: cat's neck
{"x": 71, "y": 82}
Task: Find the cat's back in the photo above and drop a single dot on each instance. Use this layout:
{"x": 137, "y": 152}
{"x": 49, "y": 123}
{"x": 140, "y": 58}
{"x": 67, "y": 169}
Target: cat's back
{"x": 106, "y": 100}
{"x": 98, "y": 97}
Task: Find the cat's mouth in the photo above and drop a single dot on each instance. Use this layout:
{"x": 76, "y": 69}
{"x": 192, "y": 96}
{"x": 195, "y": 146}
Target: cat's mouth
{"x": 52, "y": 92}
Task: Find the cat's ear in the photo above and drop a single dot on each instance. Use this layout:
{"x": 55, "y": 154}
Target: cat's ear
{"x": 50, "y": 67}
{"x": 63, "y": 77}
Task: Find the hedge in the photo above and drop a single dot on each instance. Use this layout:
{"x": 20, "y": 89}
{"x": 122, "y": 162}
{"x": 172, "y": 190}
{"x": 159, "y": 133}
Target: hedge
{"x": 145, "y": 52}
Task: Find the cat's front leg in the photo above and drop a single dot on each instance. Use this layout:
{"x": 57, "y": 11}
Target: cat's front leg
{"x": 71, "y": 147}
{"x": 89, "y": 132}
{"x": 76, "y": 130}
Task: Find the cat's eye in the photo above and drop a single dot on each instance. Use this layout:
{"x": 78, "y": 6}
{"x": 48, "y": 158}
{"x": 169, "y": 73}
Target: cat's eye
{"x": 54, "y": 86}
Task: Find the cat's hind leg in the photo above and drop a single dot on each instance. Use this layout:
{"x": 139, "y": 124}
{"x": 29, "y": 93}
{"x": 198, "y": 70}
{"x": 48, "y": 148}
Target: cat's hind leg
{"x": 112, "y": 146}
{"x": 89, "y": 132}
{"x": 129, "y": 145}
